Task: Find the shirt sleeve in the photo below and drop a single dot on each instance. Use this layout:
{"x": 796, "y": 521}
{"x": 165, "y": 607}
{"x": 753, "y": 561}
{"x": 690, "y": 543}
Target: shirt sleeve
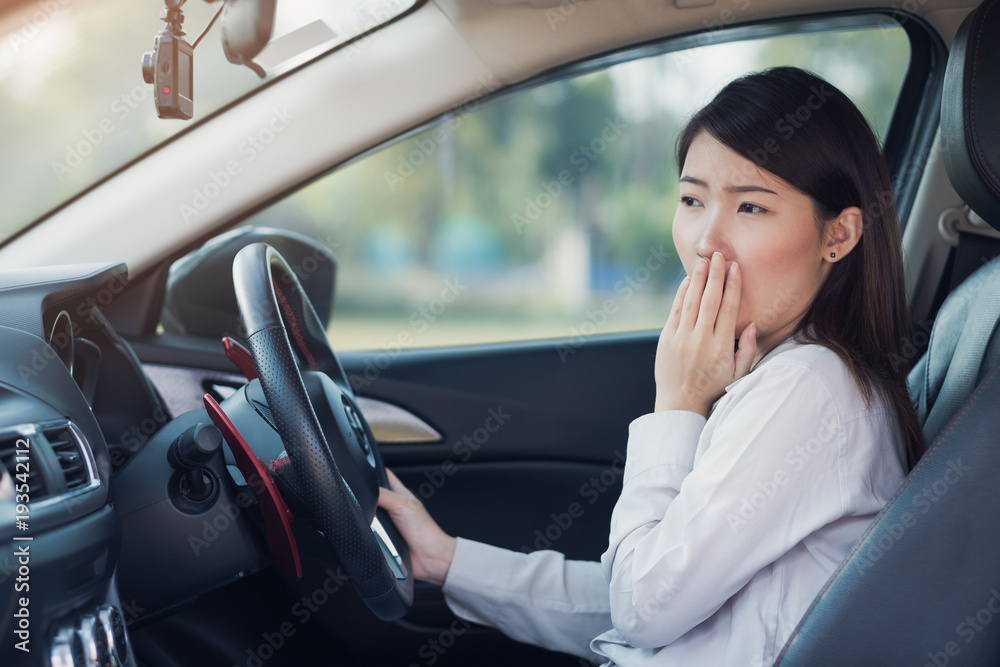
{"x": 685, "y": 539}
{"x": 539, "y": 598}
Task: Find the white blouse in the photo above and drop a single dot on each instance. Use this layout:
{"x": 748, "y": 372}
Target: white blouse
{"x": 725, "y": 531}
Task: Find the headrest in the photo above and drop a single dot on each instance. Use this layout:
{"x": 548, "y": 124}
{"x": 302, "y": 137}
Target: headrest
{"x": 970, "y": 112}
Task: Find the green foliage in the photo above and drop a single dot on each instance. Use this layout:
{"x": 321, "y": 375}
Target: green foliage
{"x": 556, "y": 193}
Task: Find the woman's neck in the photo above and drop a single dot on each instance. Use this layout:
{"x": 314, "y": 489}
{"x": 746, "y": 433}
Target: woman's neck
{"x": 767, "y": 343}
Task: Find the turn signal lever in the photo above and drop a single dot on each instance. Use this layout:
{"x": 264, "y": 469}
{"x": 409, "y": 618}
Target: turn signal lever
{"x": 189, "y": 454}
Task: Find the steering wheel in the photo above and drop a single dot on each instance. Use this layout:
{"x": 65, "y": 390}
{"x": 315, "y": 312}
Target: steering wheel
{"x": 337, "y": 465}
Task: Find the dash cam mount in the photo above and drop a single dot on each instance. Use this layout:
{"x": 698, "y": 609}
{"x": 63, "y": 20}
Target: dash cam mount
{"x": 170, "y": 66}
{"x": 247, "y": 26}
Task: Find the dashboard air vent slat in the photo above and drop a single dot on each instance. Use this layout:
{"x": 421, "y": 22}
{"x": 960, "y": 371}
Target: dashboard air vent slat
{"x": 67, "y": 450}
{"x": 9, "y": 453}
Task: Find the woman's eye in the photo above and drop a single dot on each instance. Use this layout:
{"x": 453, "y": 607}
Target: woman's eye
{"x": 689, "y": 201}
{"x": 746, "y": 207}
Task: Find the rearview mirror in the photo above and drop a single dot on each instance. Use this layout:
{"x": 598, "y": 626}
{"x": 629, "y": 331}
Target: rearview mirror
{"x": 246, "y": 29}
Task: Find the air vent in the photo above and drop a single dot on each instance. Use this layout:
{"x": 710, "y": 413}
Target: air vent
{"x": 11, "y": 454}
{"x": 69, "y": 454}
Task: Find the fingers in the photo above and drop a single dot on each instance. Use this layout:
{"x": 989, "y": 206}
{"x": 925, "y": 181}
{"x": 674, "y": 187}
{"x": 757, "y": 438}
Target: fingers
{"x": 707, "y": 296}
{"x": 747, "y": 351}
{"x": 397, "y": 496}
{"x": 388, "y": 500}
{"x": 674, "y": 319}
{"x": 692, "y": 299}
{"x": 712, "y": 296}
{"x": 729, "y": 307}
{"x": 394, "y": 482}
{"x": 394, "y": 502}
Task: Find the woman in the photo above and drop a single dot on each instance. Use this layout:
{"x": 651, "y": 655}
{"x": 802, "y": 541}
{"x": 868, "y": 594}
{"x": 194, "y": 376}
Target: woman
{"x": 762, "y": 462}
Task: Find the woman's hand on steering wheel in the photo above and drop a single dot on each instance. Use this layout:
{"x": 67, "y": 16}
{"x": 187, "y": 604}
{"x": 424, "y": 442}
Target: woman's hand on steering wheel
{"x": 431, "y": 549}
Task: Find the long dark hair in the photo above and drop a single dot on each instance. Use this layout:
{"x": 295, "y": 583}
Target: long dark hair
{"x": 806, "y": 132}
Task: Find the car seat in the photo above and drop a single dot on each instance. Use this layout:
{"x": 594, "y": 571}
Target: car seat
{"x": 922, "y": 586}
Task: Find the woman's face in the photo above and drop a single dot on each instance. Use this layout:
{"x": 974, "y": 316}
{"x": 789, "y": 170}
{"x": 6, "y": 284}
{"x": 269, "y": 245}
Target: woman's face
{"x": 730, "y": 205}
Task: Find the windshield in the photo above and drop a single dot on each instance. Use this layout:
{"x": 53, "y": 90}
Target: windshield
{"x": 73, "y": 104}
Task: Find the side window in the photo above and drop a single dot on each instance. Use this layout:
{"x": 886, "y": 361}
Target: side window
{"x": 547, "y": 213}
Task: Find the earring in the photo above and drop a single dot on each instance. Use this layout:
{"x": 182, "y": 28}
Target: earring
{"x": 833, "y": 254}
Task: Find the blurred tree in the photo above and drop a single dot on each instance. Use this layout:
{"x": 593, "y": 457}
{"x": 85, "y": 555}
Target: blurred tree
{"x": 487, "y": 179}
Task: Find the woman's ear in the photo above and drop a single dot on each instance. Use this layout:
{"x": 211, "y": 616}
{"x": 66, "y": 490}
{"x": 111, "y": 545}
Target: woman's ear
{"x": 842, "y": 234}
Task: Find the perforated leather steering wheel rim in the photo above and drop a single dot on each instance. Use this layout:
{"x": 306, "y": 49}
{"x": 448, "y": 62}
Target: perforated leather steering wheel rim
{"x": 275, "y": 312}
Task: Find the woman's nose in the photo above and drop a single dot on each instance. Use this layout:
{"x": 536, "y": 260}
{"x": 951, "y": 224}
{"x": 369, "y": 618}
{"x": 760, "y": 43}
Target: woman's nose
{"x": 713, "y": 239}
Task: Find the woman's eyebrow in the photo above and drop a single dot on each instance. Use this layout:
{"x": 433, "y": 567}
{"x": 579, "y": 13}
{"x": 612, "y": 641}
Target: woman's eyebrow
{"x": 732, "y": 189}
{"x": 694, "y": 181}
{"x": 750, "y": 188}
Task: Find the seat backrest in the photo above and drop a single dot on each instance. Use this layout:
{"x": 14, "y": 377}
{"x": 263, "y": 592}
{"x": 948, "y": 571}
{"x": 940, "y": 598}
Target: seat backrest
{"x": 961, "y": 351}
{"x": 922, "y": 586}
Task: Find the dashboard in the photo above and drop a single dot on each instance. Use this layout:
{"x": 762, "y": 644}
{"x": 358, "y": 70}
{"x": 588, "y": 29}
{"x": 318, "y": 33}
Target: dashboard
{"x": 69, "y": 385}
{"x": 118, "y": 503}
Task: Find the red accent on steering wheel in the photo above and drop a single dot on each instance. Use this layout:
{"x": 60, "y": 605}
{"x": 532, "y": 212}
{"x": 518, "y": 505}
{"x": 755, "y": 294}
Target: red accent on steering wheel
{"x": 240, "y": 356}
{"x": 277, "y": 517}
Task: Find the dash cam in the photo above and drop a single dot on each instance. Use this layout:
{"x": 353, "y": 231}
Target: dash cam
{"x": 247, "y": 26}
{"x": 170, "y": 67}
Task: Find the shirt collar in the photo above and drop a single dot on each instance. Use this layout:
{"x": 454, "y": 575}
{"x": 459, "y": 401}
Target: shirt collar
{"x": 785, "y": 345}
